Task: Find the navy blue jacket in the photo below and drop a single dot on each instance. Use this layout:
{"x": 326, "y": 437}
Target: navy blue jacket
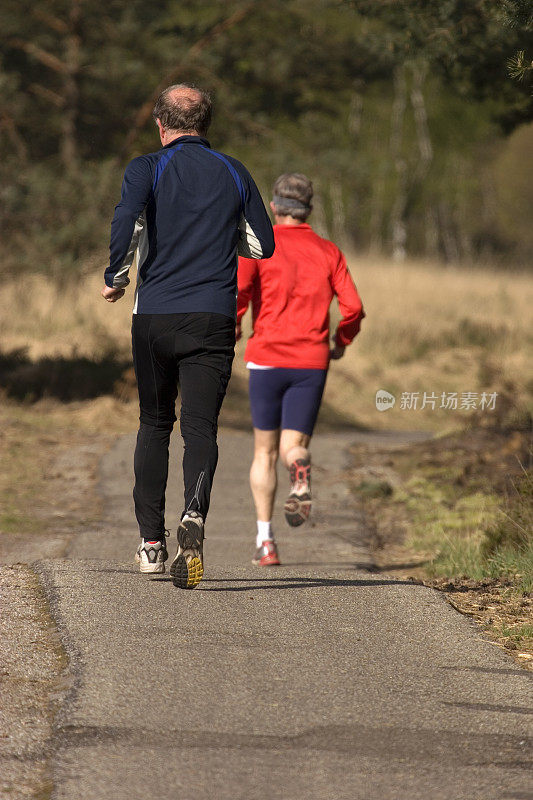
{"x": 189, "y": 211}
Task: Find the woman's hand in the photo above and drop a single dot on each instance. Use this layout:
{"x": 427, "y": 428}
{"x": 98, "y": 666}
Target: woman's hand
{"x": 336, "y": 352}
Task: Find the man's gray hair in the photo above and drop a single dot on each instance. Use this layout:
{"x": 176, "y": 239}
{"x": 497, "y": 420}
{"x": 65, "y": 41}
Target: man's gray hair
{"x": 183, "y": 107}
{"x": 292, "y": 194}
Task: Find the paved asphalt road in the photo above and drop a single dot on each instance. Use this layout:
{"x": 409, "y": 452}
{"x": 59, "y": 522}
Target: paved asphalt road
{"x": 313, "y": 681}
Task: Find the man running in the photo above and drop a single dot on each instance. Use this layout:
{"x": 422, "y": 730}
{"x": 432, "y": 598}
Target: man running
{"x": 288, "y": 352}
{"x": 187, "y": 209}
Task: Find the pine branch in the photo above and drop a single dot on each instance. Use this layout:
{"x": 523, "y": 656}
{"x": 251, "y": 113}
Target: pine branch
{"x": 517, "y": 14}
{"x": 41, "y": 55}
{"x": 7, "y": 123}
{"x": 47, "y": 94}
{"x": 518, "y": 67}
{"x": 53, "y": 22}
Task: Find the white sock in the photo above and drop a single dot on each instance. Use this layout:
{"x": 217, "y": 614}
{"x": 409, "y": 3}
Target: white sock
{"x": 264, "y": 532}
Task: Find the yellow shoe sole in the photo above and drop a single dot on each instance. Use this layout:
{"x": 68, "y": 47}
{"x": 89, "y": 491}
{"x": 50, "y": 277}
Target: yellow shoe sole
{"x": 187, "y": 574}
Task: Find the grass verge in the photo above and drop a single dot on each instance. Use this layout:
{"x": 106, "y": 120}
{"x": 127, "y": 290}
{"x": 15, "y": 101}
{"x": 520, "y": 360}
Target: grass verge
{"x": 456, "y": 513}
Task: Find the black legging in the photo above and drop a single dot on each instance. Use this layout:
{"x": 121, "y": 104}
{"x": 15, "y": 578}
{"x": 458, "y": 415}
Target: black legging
{"x": 194, "y": 351}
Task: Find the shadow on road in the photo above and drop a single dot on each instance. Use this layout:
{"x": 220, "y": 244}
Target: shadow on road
{"x": 65, "y": 379}
{"x": 402, "y": 744}
{"x": 290, "y": 582}
{"x": 491, "y": 707}
{"x": 519, "y": 796}
{"x": 492, "y": 671}
{"x": 75, "y": 377}
{"x": 401, "y": 565}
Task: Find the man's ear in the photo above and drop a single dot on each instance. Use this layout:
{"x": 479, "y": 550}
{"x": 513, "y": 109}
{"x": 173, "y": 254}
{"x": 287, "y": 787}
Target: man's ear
{"x": 160, "y": 128}
{"x": 272, "y": 207}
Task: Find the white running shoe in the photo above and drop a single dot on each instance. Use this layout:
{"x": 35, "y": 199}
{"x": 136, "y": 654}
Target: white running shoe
{"x": 151, "y": 556}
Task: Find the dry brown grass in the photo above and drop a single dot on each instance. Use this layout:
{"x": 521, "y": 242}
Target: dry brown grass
{"x": 428, "y": 328}
{"x": 51, "y": 320}
{"x": 434, "y": 329}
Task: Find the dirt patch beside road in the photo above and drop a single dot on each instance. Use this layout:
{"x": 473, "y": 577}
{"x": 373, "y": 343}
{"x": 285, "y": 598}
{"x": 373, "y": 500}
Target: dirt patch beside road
{"x": 50, "y": 454}
{"x": 33, "y": 681}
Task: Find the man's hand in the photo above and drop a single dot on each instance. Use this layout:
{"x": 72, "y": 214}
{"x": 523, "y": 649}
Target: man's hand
{"x": 112, "y": 295}
{"x": 336, "y": 352}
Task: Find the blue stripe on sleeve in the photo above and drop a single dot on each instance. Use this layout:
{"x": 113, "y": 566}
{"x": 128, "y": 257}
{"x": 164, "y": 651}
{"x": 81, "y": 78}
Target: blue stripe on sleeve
{"x": 235, "y": 175}
{"x": 162, "y": 163}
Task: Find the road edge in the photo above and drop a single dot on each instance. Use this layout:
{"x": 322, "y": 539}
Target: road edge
{"x": 34, "y": 687}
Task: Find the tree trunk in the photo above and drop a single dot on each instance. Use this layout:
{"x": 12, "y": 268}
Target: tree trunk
{"x": 319, "y": 217}
{"x": 425, "y": 149}
{"x": 355, "y": 112}
{"x": 421, "y": 120}
{"x": 448, "y": 234}
{"x": 72, "y": 59}
{"x": 397, "y": 219}
{"x": 354, "y": 127}
{"x": 338, "y": 214}
{"x": 376, "y": 214}
{"x": 431, "y": 231}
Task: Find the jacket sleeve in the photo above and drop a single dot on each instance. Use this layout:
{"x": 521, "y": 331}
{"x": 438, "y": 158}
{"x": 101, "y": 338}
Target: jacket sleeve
{"x": 128, "y": 221}
{"x": 256, "y": 237}
{"x": 246, "y": 275}
{"x": 350, "y": 303}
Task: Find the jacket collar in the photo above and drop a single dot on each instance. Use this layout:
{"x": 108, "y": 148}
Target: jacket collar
{"x": 186, "y": 140}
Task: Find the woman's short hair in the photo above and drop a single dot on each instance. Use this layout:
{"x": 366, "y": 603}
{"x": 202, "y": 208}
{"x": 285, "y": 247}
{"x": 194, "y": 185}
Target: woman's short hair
{"x": 292, "y": 194}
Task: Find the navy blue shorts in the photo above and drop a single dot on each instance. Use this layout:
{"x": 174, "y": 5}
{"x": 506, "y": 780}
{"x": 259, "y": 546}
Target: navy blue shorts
{"x": 286, "y": 398}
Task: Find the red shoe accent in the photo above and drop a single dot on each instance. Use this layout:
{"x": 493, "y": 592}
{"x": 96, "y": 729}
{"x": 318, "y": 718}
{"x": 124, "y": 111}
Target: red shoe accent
{"x": 270, "y": 557}
{"x": 298, "y": 503}
{"x": 300, "y": 473}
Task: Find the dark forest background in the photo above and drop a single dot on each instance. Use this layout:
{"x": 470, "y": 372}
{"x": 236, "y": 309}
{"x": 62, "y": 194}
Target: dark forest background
{"x": 414, "y": 119}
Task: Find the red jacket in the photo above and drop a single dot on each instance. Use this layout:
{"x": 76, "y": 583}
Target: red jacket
{"x": 291, "y": 294}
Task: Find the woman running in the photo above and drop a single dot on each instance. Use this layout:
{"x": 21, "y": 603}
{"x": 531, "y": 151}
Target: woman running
{"x": 288, "y": 352}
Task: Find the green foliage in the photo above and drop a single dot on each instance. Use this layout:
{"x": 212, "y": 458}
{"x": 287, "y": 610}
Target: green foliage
{"x": 512, "y": 175}
{"x": 517, "y": 14}
{"x": 56, "y": 221}
{"x": 474, "y": 536}
{"x": 518, "y": 66}
{"x": 308, "y": 85}
{"x": 514, "y": 527}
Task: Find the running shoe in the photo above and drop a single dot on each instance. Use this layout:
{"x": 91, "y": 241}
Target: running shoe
{"x": 267, "y": 555}
{"x": 298, "y": 503}
{"x": 187, "y": 568}
{"x": 151, "y": 555}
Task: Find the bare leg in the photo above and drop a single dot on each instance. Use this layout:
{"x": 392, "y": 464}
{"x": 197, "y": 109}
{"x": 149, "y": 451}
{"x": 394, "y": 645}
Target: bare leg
{"x": 293, "y": 445}
{"x": 263, "y": 478}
